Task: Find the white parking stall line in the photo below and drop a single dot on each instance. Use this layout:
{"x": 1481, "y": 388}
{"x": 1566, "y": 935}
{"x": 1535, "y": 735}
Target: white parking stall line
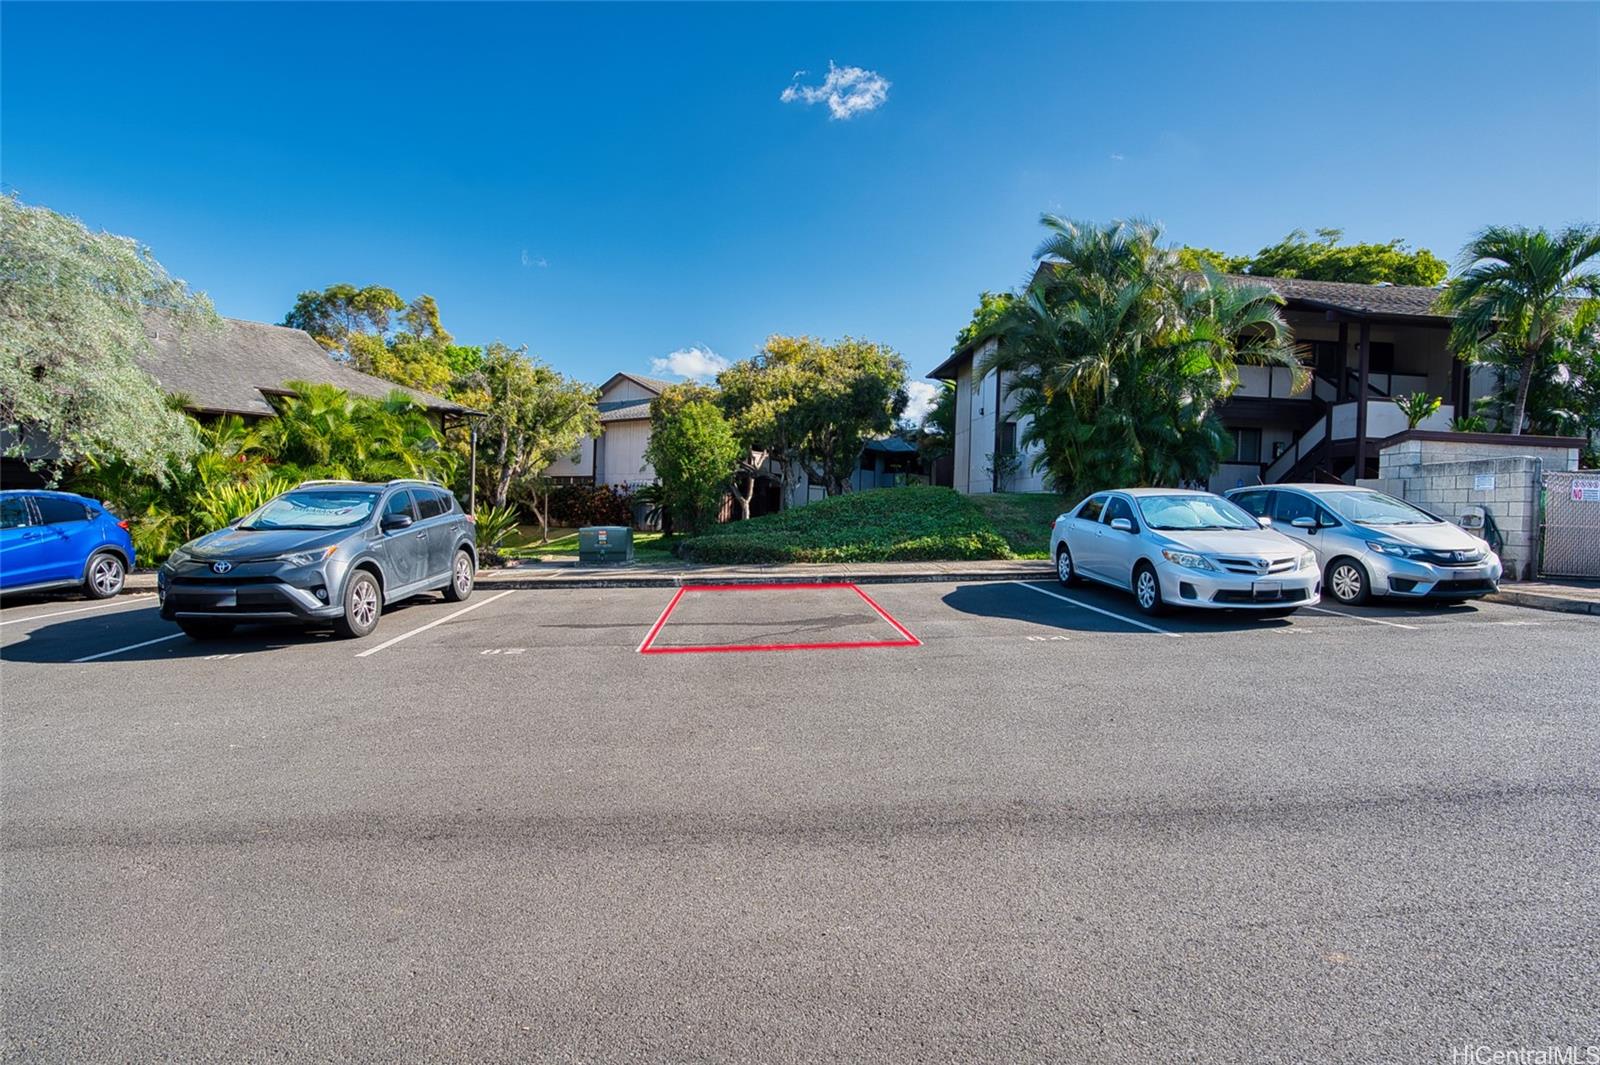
{"x": 130, "y": 647}
{"x": 1097, "y": 610}
{"x": 436, "y": 621}
{"x": 1358, "y": 617}
{"x": 78, "y": 610}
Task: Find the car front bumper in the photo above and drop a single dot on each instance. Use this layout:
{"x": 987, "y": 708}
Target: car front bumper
{"x": 1414, "y": 579}
{"x": 1219, "y": 590}
{"x": 253, "y": 592}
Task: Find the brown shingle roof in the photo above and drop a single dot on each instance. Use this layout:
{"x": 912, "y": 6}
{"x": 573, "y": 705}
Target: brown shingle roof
{"x": 625, "y": 412}
{"x": 232, "y": 369}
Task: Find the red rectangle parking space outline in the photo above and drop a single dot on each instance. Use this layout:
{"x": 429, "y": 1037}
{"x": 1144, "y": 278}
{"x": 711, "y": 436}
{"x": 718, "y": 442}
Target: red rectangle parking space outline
{"x": 712, "y": 618}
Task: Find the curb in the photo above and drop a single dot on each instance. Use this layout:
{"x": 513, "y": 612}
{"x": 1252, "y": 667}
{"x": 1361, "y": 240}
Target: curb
{"x": 1536, "y": 601}
{"x": 499, "y": 580}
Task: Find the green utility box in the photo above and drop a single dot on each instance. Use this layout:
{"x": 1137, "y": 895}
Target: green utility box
{"x": 605, "y": 543}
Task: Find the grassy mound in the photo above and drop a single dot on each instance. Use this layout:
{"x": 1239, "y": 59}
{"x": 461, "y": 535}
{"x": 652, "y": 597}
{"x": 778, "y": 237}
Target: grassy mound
{"x": 915, "y": 524}
{"x": 1023, "y": 518}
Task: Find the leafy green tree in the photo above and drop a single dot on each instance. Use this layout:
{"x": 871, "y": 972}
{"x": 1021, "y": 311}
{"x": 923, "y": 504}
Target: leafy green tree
{"x": 986, "y": 316}
{"x": 379, "y": 333}
{"x": 325, "y": 429}
{"x": 73, "y": 310}
{"x": 936, "y": 437}
{"x": 1517, "y": 292}
{"x": 694, "y": 452}
{"x": 535, "y": 416}
{"x": 758, "y": 396}
{"x": 819, "y": 403}
{"x": 1325, "y": 259}
{"x": 1564, "y": 396}
{"x": 1119, "y": 357}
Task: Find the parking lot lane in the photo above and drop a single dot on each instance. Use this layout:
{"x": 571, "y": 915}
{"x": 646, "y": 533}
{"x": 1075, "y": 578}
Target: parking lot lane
{"x": 775, "y": 618}
{"x": 33, "y": 612}
{"x": 63, "y": 639}
{"x": 469, "y": 608}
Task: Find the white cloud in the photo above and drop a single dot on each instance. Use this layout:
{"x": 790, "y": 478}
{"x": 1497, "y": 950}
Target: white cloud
{"x": 923, "y": 395}
{"x": 529, "y": 260}
{"x": 848, "y": 91}
{"x": 1117, "y": 157}
{"x": 696, "y": 361}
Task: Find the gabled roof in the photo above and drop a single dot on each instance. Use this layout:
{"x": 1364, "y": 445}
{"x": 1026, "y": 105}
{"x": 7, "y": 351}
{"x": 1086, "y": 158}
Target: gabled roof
{"x": 1418, "y": 303}
{"x": 232, "y": 370}
{"x": 625, "y": 411}
{"x": 653, "y": 384}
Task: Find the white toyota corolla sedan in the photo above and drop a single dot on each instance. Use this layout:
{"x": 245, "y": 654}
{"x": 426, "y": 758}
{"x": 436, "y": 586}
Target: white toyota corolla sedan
{"x": 1180, "y": 547}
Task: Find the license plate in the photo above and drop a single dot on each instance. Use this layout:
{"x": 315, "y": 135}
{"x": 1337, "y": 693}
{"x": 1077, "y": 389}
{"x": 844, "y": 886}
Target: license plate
{"x": 1266, "y": 589}
{"x": 1467, "y": 575}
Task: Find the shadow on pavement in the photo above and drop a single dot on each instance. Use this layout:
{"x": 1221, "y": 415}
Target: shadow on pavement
{"x": 74, "y": 638}
{"x": 1014, "y": 603}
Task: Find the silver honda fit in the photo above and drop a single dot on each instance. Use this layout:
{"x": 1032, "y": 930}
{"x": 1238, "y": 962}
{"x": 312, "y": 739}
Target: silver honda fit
{"x": 1369, "y": 543}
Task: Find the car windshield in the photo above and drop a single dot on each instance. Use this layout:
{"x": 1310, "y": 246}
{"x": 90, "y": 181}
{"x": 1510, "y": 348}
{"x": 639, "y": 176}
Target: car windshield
{"x": 314, "y": 510}
{"x": 1193, "y": 512}
{"x": 1375, "y": 508}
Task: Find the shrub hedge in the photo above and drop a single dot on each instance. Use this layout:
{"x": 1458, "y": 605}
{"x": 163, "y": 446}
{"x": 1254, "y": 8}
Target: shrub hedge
{"x": 913, "y": 524}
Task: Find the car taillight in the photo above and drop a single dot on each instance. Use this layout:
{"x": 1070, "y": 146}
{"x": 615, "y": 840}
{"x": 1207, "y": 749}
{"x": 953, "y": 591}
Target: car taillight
{"x": 472, "y": 518}
{"x": 123, "y": 524}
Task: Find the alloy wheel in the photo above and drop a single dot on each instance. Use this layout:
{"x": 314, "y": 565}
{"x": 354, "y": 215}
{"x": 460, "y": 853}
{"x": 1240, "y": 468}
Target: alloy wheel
{"x": 364, "y": 603}
{"x": 106, "y": 575}
{"x": 1346, "y": 582}
{"x": 1146, "y": 589}
{"x": 463, "y": 574}
{"x": 1063, "y": 567}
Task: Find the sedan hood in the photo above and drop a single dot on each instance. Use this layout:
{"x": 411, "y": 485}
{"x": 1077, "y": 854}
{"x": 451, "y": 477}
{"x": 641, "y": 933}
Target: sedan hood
{"x": 243, "y": 545}
{"x": 1231, "y": 541}
{"x": 1441, "y": 537}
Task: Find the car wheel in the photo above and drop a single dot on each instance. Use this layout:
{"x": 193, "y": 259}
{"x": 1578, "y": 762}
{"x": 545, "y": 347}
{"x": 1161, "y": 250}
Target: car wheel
{"x": 461, "y": 576}
{"x": 1347, "y": 581}
{"x": 206, "y": 630}
{"x": 1147, "y": 590}
{"x": 104, "y": 575}
{"x": 363, "y": 605}
{"x": 1066, "y": 573}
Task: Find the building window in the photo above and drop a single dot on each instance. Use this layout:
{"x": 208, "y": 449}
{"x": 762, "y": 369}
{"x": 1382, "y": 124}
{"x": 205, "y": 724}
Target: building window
{"x": 1246, "y": 445}
{"x": 1008, "y": 438}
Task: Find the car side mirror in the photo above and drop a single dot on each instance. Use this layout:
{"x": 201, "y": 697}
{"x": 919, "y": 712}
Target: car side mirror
{"x": 1264, "y": 521}
{"x": 395, "y": 522}
{"x": 1305, "y": 522}
{"x": 1122, "y": 523}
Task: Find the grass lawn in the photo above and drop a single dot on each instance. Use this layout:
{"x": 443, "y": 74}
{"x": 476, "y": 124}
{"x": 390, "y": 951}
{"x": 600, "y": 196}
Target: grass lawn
{"x": 883, "y": 525}
{"x": 524, "y": 543}
{"x": 1023, "y": 518}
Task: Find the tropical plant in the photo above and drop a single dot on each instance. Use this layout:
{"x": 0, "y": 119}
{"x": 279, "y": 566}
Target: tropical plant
{"x": 1469, "y": 423}
{"x": 325, "y": 428}
{"x": 216, "y": 505}
{"x": 494, "y": 526}
{"x": 1118, "y": 358}
{"x": 74, "y": 306}
{"x": 1517, "y": 290}
{"x": 1418, "y": 407}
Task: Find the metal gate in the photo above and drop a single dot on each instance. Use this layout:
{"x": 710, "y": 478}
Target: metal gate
{"x": 1571, "y": 534}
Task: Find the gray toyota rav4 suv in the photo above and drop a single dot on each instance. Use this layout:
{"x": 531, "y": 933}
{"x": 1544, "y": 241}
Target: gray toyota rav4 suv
{"x": 325, "y": 552}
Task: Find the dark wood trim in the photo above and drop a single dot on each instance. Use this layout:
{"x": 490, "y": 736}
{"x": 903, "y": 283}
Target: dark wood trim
{"x": 1484, "y": 438}
{"x": 1365, "y": 364}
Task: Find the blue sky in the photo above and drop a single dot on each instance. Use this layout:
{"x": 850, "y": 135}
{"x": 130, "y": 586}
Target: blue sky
{"x": 610, "y": 184}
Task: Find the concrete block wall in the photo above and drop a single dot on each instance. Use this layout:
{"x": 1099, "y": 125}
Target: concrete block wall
{"x": 1449, "y": 488}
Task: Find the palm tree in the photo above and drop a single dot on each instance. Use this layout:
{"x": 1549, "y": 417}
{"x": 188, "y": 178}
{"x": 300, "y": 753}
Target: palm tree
{"x": 1119, "y": 358}
{"x": 1516, "y": 288}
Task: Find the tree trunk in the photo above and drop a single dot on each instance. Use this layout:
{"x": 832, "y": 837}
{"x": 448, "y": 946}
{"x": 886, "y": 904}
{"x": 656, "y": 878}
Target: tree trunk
{"x": 745, "y": 496}
{"x": 543, "y": 513}
{"x": 1526, "y": 379}
{"x": 502, "y": 477}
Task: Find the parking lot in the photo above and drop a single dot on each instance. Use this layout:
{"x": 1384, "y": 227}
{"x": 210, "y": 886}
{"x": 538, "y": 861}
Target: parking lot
{"x": 996, "y": 821}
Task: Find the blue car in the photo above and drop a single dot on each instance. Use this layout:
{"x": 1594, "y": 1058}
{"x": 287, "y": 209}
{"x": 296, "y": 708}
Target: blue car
{"x": 55, "y": 540}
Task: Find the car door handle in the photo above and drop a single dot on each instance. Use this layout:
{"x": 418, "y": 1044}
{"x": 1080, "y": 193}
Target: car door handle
{"x": 422, "y": 536}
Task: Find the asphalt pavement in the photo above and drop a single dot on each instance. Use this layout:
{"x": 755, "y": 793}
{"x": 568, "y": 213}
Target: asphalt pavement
{"x": 1021, "y": 824}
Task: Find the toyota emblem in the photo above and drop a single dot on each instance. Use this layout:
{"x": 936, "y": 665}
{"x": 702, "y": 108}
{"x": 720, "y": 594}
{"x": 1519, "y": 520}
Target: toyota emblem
{"x": 221, "y": 567}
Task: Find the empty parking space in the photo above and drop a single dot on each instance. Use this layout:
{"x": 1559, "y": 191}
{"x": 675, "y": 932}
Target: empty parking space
{"x": 823, "y": 617}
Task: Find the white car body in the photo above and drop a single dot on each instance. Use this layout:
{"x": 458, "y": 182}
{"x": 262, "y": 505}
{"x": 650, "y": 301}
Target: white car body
{"x": 1110, "y": 538}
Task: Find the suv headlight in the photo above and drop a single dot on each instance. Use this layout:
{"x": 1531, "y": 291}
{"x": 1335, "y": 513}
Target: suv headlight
{"x": 308, "y": 558}
{"x": 1187, "y": 558}
{"x": 1386, "y": 547}
{"x": 178, "y": 557}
